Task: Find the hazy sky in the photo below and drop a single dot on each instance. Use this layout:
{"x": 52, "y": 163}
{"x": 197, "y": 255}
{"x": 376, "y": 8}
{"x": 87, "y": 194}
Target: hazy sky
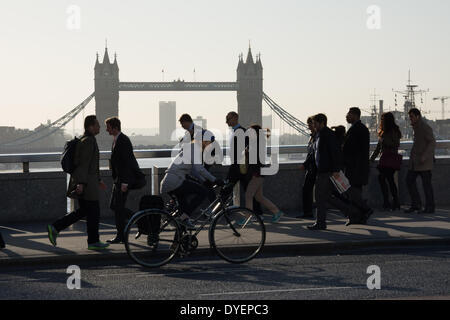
{"x": 317, "y": 55}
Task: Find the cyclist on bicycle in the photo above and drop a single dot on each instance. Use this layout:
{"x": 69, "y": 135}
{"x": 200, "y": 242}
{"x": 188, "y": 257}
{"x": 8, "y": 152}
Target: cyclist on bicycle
{"x": 175, "y": 182}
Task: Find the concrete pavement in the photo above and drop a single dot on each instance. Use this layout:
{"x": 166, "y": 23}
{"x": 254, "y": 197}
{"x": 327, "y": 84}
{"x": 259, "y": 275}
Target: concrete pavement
{"x": 28, "y": 243}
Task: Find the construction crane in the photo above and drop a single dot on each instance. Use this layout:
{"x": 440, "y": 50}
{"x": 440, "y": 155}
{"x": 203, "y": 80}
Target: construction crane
{"x": 443, "y": 99}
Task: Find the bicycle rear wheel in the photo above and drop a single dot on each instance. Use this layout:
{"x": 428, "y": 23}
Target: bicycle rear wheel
{"x": 152, "y": 238}
{"x": 237, "y": 235}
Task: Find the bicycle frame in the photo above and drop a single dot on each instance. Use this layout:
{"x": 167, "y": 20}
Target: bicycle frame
{"x": 210, "y": 213}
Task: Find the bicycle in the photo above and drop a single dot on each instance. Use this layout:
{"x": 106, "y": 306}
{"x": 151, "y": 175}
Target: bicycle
{"x": 236, "y": 234}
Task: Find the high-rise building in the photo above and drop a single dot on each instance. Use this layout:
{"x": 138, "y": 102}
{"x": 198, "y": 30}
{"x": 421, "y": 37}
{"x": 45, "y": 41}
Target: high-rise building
{"x": 200, "y": 121}
{"x": 167, "y": 120}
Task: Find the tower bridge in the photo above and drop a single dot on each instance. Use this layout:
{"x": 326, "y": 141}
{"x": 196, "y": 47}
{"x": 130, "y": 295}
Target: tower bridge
{"x": 248, "y": 87}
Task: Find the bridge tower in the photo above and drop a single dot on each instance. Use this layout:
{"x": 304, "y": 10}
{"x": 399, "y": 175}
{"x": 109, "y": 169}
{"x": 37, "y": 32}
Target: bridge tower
{"x": 250, "y": 89}
{"x": 106, "y": 95}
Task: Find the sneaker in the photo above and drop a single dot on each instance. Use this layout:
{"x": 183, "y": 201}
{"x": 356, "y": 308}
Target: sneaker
{"x": 52, "y": 234}
{"x": 98, "y": 246}
{"x": 276, "y": 217}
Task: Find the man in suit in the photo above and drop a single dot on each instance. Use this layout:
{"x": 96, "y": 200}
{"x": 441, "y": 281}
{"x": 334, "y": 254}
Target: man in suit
{"x": 124, "y": 171}
{"x": 356, "y": 150}
{"x": 328, "y": 159}
{"x": 84, "y": 185}
{"x": 309, "y": 166}
{"x": 421, "y": 163}
{"x": 237, "y": 147}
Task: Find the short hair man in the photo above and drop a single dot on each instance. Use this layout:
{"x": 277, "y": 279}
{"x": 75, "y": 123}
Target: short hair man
{"x": 234, "y": 173}
{"x": 125, "y": 170}
{"x": 356, "y": 150}
{"x": 309, "y": 166}
{"x": 84, "y": 184}
{"x": 421, "y": 163}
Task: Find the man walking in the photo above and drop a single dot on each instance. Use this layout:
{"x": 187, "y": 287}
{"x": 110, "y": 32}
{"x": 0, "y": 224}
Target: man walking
{"x": 234, "y": 173}
{"x": 356, "y": 150}
{"x": 327, "y": 156}
{"x": 309, "y": 166}
{"x": 421, "y": 163}
{"x": 84, "y": 185}
{"x": 125, "y": 170}
{"x": 193, "y": 131}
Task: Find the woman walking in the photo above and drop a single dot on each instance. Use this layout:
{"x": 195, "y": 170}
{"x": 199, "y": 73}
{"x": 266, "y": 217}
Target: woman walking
{"x": 256, "y": 180}
{"x": 389, "y": 136}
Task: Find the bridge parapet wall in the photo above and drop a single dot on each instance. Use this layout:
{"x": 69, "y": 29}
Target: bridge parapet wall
{"x": 40, "y": 196}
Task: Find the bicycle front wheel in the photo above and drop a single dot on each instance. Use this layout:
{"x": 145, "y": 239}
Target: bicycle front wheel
{"x": 237, "y": 235}
{"x": 152, "y": 238}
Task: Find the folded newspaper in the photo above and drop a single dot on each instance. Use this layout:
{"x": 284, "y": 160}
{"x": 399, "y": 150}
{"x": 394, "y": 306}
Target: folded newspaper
{"x": 341, "y": 183}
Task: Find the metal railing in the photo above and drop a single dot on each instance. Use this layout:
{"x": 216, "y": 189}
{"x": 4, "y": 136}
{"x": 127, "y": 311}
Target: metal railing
{"x": 28, "y": 158}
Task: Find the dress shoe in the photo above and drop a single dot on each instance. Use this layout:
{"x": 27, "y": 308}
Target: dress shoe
{"x": 412, "y": 210}
{"x": 116, "y": 240}
{"x": 317, "y": 227}
{"x": 362, "y": 221}
{"x": 366, "y": 216}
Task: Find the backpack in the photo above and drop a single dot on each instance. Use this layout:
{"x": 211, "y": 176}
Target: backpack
{"x": 68, "y": 156}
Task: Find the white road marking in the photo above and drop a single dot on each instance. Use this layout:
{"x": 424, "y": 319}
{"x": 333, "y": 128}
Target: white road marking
{"x": 144, "y": 274}
{"x": 279, "y": 290}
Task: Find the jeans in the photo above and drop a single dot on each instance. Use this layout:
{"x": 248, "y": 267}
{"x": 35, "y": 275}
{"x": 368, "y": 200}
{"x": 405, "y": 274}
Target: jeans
{"x": 88, "y": 209}
{"x": 416, "y": 202}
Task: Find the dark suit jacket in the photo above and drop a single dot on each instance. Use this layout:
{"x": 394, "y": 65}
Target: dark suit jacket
{"x": 356, "y": 154}
{"x": 329, "y": 152}
{"x": 123, "y": 162}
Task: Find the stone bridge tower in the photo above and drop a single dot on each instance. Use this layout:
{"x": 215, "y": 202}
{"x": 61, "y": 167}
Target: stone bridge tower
{"x": 250, "y": 90}
{"x": 106, "y": 96}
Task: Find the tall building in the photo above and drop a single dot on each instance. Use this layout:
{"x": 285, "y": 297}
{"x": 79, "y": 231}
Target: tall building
{"x": 167, "y": 120}
{"x": 106, "y": 95}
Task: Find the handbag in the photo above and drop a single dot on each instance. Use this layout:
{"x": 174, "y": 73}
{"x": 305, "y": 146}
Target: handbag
{"x": 391, "y": 160}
